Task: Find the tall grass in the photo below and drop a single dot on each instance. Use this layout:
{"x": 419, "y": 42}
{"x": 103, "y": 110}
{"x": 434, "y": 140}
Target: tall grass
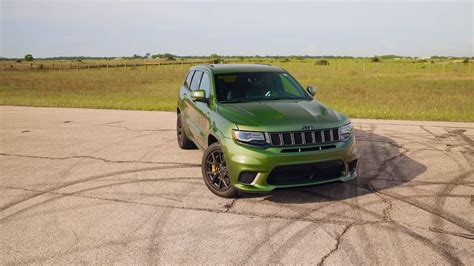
{"x": 358, "y": 88}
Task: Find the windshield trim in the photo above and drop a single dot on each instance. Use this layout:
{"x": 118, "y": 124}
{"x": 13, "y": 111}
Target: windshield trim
{"x": 243, "y": 100}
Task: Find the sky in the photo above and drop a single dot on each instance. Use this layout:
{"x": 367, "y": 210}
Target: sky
{"x": 124, "y": 28}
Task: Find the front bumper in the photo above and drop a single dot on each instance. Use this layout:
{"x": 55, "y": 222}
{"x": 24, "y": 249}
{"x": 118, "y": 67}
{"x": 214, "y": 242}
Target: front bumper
{"x": 240, "y": 158}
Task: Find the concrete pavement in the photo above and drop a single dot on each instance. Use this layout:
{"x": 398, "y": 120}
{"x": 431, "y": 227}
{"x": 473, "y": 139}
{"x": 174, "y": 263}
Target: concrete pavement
{"x": 106, "y": 186}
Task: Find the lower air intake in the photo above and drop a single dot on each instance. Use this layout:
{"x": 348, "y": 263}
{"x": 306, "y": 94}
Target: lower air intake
{"x": 306, "y": 173}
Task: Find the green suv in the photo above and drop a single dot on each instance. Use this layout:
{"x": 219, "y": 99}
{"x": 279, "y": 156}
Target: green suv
{"x": 260, "y": 130}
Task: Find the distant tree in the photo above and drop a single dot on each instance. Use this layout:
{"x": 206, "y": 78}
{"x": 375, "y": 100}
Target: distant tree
{"x": 466, "y": 60}
{"x": 390, "y": 56}
{"x": 375, "y": 59}
{"x": 168, "y": 56}
{"x": 322, "y": 62}
{"x": 29, "y": 57}
{"x": 147, "y": 55}
{"x": 214, "y": 58}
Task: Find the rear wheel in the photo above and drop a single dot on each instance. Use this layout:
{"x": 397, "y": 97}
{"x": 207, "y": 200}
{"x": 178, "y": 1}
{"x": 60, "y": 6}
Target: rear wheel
{"x": 215, "y": 172}
{"x": 183, "y": 141}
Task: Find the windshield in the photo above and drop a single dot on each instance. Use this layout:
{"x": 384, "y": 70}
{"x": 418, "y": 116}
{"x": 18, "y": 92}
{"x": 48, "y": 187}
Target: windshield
{"x": 257, "y": 86}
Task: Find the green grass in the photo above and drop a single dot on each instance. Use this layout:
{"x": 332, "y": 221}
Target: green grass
{"x": 358, "y": 88}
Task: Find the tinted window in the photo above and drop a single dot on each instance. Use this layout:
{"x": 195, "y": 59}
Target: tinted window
{"x": 187, "y": 82}
{"x": 257, "y": 86}
{"x": 196, "y": 80}
{"x": 205, "y": 84}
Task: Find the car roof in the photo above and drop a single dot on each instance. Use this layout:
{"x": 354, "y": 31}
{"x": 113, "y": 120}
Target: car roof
{"x": 235, "y": 68}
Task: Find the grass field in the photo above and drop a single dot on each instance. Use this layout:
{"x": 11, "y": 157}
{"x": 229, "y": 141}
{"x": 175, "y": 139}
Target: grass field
{"x": 443, "y": 90}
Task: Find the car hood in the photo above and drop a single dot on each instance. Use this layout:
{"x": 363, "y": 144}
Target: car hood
{"x": 281, "y": 115}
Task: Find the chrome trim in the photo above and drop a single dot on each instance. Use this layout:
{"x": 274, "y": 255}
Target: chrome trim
{"x": 255, "y": 180}
{"x": 267, "y": 138}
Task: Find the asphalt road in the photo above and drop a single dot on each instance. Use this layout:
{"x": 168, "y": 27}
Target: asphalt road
{"x": 103, "y": 186}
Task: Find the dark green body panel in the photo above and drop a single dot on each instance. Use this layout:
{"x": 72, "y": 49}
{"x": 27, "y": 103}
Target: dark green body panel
{"x": 282, "y": 115}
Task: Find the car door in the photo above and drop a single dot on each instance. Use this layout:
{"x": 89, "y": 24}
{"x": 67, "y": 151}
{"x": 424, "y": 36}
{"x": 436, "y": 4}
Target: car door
{"x": 185, "y": 98}
{"x": 202, "y": 109}
{"x": 192, "y": 110}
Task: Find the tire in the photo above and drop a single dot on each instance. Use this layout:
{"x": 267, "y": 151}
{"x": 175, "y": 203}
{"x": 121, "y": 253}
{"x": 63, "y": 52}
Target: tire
{"x": 214, "y": 172}
{"x": 183, "y": 141}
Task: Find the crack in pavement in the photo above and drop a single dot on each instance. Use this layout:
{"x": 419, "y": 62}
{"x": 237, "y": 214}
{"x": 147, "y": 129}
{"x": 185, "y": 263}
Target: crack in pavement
{"x": 142, "y": 130}
{"x": 338, "y": 244}
{"x": 111, "y": 124}
{"x": 90, "y": 178}
{"x": 229, "y": 206}
{"x": 225, "y": 211}
{"x": 378, "y": 123}
{"x": 383, "y": 168}
{"x": 386, "y": 210}
{"x": 445, "y": 251}
{"x": 442, "y": 231}
{"x": 98, "y": 158}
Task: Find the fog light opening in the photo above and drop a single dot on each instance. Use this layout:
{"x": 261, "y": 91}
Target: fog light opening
{"x": 352, "y": 166}
{"x": 247, "y": 177}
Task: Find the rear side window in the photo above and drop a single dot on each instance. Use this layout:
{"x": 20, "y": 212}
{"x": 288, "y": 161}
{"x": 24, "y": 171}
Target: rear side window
{"x": 196, "y": 80}
{"x": 187, "y": 82}
{"x": 205, "y": 85}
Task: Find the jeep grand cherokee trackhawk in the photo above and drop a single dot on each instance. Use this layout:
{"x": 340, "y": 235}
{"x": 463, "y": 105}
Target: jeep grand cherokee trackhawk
{"x": 260, "y": 130}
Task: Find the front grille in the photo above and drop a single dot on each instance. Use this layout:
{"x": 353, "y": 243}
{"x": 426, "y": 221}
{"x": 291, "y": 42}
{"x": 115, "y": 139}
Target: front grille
{"x": 304, "y": 137}
{"x": 306, "y": 173}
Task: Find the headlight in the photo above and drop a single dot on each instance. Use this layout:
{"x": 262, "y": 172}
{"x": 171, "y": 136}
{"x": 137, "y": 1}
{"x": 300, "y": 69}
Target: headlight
{"x": 255, "y": 138}
{"x": 346, "y": 132}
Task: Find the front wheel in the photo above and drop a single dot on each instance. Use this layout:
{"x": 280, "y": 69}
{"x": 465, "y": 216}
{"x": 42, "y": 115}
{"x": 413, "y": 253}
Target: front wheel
{"x": 215, "y": 172}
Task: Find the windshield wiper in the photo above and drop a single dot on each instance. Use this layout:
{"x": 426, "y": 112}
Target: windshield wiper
{"x": 260, "y": 99}
{"x": 233, "y": 101}
{"x": 279, "y": 98}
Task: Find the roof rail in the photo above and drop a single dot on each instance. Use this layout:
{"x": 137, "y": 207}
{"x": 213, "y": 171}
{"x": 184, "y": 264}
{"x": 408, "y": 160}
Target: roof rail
{"x": 209, "y": 65}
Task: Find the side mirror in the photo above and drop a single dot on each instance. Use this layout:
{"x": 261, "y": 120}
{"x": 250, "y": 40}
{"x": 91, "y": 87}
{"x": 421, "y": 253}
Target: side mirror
{"x": 199, "y": 95}
{"x": 311, "y": 90}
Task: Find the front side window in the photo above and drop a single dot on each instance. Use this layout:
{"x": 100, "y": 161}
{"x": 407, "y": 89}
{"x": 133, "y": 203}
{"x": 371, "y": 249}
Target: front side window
{"x": 205, "y": 84}
{"x": 257, "y": 86}
{"x": 196, "y": 80}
